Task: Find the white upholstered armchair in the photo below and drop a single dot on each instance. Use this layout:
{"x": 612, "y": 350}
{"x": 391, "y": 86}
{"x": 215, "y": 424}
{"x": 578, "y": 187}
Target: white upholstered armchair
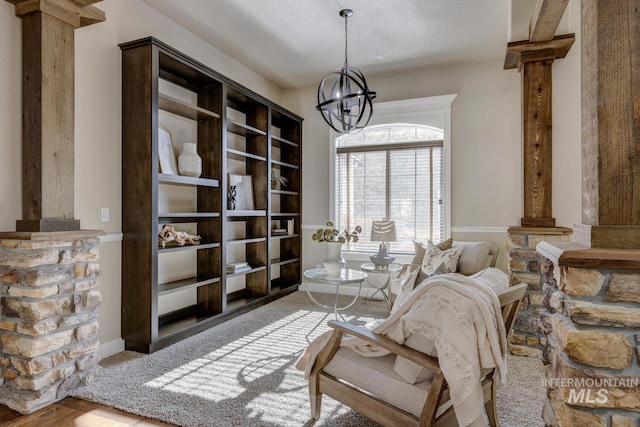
{"x": 376, "y": 388}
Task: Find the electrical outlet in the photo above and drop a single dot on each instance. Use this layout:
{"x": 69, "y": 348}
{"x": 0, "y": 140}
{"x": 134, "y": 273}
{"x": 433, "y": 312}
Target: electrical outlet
{"x": 104, "y": 214}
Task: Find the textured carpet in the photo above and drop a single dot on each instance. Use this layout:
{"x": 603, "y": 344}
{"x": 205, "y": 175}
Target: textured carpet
{"x": 241, "y": 373}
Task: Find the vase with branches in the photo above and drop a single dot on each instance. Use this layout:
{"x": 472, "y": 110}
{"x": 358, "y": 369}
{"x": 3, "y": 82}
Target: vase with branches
{"x": 331, "y": 234}
{"x": 334, "y": 262}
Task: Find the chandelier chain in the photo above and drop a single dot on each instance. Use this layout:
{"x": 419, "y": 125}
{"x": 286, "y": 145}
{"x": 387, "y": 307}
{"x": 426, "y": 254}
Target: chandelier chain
{"x": 346, "y": 39}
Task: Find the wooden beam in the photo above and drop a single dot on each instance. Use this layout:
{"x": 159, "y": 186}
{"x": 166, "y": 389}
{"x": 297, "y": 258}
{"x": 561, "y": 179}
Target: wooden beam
{"x": 48, "y": 121}
{"x": 77, "y": 13}
{"x": 607, "y": 236}
{"x": 546, "y": 19}
{"x": 536, "y": 119}
{"x": 48, "y": 28}
{"x": 85, "y": 2}
{"x": 91, "y": 15}
{"x": 522, "y": 51}
{"x": 611, "y": 113}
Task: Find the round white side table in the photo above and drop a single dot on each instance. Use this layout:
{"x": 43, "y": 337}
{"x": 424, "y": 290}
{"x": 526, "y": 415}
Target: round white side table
{"x": 386, "y": 275}
{"x": 346, "y": 276}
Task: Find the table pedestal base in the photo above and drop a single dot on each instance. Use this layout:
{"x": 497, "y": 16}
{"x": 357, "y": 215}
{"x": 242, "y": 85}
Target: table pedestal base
{"x": 336, "y": 310}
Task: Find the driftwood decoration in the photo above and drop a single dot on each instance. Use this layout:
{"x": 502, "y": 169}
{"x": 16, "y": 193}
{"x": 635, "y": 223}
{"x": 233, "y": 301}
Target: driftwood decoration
{"x": 169, "y": 234}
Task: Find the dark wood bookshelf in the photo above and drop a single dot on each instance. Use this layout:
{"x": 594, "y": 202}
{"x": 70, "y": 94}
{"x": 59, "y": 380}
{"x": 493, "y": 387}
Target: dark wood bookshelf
{"x": 151, "y": 199}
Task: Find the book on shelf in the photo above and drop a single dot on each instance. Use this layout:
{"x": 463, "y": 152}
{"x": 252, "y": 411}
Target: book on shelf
{"x": 239, "y": 270}
{"x": 279, "y": 232}
{"x": 290, "y": 227}
{"x": 234, "y": 266}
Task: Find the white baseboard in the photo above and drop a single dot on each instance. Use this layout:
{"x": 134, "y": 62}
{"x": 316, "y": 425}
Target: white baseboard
{"x": 111, "y": 237}
{"x": 110, "y": 348}
{"x": 501, "y": 230}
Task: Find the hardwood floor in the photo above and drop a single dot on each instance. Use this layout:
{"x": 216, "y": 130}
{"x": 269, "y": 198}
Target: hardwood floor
{"x": 71, "y": 412}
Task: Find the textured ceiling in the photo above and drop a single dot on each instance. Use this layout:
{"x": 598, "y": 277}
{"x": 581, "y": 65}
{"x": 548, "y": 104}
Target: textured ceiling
{"x": 294, "y": 43}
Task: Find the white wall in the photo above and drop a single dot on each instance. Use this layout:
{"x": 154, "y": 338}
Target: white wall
{"x": 486, "y": 148}
{"x": 485, "y": 134}
{"x": 486, "y": 144}
{"x": 97, "y": 123}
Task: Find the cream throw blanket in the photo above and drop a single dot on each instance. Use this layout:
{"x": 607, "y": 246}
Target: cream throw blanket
{"x": 463, "y": 318}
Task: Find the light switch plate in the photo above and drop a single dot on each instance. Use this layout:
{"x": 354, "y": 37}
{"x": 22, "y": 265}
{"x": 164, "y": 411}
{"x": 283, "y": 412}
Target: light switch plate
{"x": 104, "y": 214}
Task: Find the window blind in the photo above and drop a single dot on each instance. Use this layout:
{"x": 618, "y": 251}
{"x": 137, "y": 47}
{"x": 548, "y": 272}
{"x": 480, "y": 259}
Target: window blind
{"x": 397, "y": 180}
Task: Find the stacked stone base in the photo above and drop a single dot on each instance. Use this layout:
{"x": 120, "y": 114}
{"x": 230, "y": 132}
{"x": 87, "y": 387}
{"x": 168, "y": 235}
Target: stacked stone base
{"x": 592, "y": 317}
{"x": 48, "y": 324}
{"x": 525, "y": 266}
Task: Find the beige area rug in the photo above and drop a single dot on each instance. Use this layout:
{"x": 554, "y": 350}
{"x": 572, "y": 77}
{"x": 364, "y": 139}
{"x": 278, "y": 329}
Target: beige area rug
{"x": 241, "y": 373}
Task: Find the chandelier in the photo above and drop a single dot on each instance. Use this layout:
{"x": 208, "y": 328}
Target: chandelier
{"x": 344, "y": 99}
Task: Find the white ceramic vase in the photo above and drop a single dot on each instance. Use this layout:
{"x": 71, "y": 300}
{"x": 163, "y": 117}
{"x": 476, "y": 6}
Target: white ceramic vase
{"x": 334, "y": 261}
{"x": 189, "y": 162}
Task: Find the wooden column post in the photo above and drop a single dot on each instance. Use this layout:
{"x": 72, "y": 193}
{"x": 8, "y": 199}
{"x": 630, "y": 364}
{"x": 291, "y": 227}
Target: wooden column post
{"x": 610, "y": 125}
{"x": 534, "y": 58}
{"x": 536, "y": 123}
{"x": 48, "y": 110}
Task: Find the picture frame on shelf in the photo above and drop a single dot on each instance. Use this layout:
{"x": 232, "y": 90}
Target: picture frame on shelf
{"x": 243, "y": 191}
{"x": 166, "y": 155}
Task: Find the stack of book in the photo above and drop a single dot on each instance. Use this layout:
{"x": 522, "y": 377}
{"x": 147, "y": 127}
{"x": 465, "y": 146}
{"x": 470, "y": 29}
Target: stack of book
{"x": 279, "y": 232}
{"x": 238, "y": 267}
{"x": 283, "y": 228}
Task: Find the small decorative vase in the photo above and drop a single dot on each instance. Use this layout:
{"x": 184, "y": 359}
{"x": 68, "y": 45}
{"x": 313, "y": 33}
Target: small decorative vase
{"x": 334, "y": 261}
{"x": 189, "y": 162}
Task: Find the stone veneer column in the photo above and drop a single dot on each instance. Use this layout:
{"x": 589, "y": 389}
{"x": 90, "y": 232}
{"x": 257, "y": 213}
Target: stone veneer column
{"x": 48, "y": 322}
{"x": 591, "y": 313}
{"x": 591, "y": 304}
{"x": 525, "y": 266}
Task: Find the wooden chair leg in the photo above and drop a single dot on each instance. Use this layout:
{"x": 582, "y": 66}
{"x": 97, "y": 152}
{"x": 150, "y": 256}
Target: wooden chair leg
{"x": 315, "y": 398}
{"x": 490, "y": 406}
{"x": 323, "y": 358}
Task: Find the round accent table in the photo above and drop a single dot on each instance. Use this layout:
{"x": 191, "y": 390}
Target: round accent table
{"x": 346, "y": 276}
{"x": 379, "y": 279}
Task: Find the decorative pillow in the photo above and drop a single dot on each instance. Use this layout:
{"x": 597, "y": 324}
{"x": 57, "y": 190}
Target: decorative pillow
{"x": 474, "y": 256}
{"x": 410, "y": 371}
{"x": 435, "y": 257}
{"x": 407, "y": 285}
{"x": 421, "y": 249}
{"x": 422, "y": 276}
{"x": 445, "y": 244}
{"x": 422, "y": 344}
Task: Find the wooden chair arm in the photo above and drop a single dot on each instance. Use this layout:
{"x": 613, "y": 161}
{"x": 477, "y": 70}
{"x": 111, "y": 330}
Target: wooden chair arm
{"x": 415, "y": 356}
{"x": 326, "y": 354}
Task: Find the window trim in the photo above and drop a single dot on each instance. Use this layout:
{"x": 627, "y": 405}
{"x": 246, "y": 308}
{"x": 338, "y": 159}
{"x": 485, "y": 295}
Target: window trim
{"x": 393, "y": 146}
{"x": 406, "y": 111}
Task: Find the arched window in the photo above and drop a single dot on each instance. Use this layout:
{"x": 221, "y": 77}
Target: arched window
{"x": 396, "y": 172}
